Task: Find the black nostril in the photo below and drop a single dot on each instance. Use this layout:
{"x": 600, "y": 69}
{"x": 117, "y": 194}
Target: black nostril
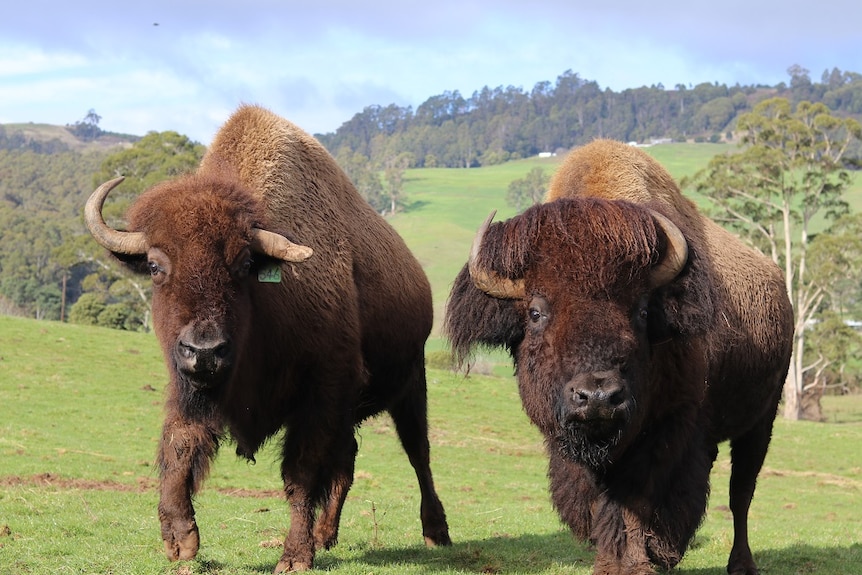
{"x": 222, "y": 350}
{"x": 581, "y": 397}
{"x": 186, "y": 350}
{"x": 617, "y": 398}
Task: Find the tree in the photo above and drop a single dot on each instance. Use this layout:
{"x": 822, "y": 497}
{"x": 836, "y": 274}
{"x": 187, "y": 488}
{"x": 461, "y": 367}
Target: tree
{"x": 88, "y": 128}
{"x": 529, "y": 190}
{"x": 364, "y": 178}
{"x": 394, "y": 176}
{"x": 836, "y": 266}
{"x": 792, "y": 167}
{"x": 154, "y": 158}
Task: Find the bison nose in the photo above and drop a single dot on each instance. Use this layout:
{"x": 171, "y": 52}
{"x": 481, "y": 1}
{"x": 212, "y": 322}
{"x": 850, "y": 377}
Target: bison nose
{"x": 596, "y": 395}
{"x": 202, "y": 355}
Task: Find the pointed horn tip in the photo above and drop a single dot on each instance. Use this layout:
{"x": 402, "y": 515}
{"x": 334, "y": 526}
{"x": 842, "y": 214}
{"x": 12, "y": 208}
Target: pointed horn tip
{"x": 486, "y": 280}
{"x": 130, "y": 243}
{"x": 300, "y": 254}
{"x": 279, "y": 247}
{"x": 677, "y": 251}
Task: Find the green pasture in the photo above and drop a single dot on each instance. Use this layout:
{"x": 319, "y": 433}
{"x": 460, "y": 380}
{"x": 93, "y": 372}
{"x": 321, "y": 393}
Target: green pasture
{"x": 80, "y": 417}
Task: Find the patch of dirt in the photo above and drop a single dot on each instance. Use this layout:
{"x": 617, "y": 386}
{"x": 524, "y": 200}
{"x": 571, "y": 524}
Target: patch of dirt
{"x": 822, "y": 478}
{"x": 141, "y": 485}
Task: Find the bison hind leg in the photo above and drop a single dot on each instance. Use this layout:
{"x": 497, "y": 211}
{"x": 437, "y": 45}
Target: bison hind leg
{"x": 411, "y": 422}
{"x": 747, "y": 453}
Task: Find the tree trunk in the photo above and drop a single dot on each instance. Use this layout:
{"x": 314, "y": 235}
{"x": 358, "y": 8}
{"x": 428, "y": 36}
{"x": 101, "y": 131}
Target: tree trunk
{"x": 794, "y": 382}
{"x": 791, "y": 397}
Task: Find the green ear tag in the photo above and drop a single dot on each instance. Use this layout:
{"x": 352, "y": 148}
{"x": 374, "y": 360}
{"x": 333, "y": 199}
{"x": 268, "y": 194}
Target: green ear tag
{"x": 270, "y": 274}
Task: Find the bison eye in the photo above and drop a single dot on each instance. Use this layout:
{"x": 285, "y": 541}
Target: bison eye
{"x": 243, "y": 264}
{"x": 538, "y": 311}
{"x": 159, "y": 265}
{"x": 245, "y": 268}
{"x": 155, "y": 268}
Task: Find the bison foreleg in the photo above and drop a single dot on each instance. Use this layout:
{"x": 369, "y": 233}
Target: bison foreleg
{"x": 573, "y": 492}
{"x": 326, "y": 527}
{"x": 184, "y": 456}
{"x": 298, "y": 554}
{"x": 317, "y": 469}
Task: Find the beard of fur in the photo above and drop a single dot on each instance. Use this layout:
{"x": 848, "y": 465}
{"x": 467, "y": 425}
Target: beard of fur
{"x": 592, "y": 452}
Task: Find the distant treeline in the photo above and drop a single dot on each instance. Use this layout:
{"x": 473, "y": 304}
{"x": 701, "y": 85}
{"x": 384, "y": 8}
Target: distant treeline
{"x": 500, "y": 124}
{"x": 19, "y": 141}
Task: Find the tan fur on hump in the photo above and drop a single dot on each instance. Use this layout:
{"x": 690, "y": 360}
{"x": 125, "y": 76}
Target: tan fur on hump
{"x": 616, "y": 171}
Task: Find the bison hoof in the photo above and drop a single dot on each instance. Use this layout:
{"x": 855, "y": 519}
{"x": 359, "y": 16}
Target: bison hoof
{"x": 438, "y": 539}
{"x": 325, "y": 541}
{"x": 181, "y": 540}
{"x": 291, "y": 566}
{"x": 742, "y": 570}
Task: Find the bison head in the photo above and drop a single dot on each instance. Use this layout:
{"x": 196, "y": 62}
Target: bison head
{"x": 579, "y": 283}
{"x": 198, "y": 238}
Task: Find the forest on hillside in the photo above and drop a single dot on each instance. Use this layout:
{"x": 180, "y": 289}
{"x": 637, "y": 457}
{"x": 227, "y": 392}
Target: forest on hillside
{"x": 495, "y": 125}
{"x": 47, "y": 262}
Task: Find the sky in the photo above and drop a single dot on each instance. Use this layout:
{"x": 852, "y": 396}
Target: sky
{"x": 185, "y": 65}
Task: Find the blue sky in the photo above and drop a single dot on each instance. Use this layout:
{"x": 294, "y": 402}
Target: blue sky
{"x": 185, "y": 65}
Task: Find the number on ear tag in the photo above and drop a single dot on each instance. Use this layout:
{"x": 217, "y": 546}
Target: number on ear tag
{"x": 270, "y": 274}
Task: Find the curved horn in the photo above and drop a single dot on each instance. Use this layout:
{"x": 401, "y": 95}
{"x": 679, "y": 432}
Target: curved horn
{"x": 129, "y": 243}
{"x": 487, "y": 280}
{"x": 278, "y": 246}
{"x": 675, "y": 257}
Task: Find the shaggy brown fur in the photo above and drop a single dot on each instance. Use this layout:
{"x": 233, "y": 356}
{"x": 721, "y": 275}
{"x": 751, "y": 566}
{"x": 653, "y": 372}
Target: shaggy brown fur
{"x": 339, "y": 338}
{"x": 676, "y": 368}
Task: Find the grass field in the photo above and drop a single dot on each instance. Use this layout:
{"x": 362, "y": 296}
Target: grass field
{"x": 80, "y": 417}
{"x": 81, "y": 411}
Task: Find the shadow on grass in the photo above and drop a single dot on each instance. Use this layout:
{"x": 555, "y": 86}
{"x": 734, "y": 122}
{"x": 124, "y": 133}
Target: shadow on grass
{"x": 558, "y": 552}
{"x": 501, "y": 554}
{"x": 414, "y": 206}
{"x": 554, "y": 552}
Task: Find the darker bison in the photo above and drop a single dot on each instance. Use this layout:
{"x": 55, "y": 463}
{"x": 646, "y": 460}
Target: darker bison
{"x": 643, "y": 335}
{"x": 282, "y": 301}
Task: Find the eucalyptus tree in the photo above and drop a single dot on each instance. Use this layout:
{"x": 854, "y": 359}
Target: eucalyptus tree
{"x": 152, "y": 159}
{"x": 524, "y": 192}
{"x": 789, "y": 175}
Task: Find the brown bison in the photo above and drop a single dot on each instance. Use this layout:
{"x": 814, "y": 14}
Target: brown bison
{"x": 261, "y": 334}
{"x": 643, "y": 335}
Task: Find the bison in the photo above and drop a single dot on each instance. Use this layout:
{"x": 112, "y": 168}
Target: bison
{"x": 643, "y": 335}
{"x": 281, "y": 301}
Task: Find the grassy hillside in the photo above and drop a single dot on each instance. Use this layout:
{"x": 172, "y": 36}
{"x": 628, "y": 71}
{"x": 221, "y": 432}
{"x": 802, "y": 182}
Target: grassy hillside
{"x": 446, "y": 206}
{"x": 81, "y": 415}
{"x": 47, "y": 132}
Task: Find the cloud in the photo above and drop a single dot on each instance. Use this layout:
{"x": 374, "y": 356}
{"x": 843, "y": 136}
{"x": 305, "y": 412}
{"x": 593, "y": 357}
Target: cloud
{"x": 185, "y": 65}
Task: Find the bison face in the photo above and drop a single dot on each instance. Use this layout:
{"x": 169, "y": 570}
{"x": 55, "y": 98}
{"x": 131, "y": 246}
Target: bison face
{"x": 199, "y": 300}
{"x": 585, "y": 278}
{"x": 582, "y": 368}
{"x": 198, "y": 238}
